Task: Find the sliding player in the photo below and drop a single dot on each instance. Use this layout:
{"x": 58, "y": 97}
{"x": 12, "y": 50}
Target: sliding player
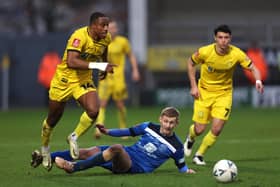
{"x": 157, "y": 144}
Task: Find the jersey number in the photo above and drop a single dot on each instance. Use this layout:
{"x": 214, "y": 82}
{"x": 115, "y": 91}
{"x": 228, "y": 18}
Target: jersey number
{"x": 227, "y": 112}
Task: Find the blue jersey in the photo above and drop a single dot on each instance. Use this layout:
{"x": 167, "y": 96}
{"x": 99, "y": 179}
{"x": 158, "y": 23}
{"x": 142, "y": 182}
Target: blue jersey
{"x": 152, "y": 149}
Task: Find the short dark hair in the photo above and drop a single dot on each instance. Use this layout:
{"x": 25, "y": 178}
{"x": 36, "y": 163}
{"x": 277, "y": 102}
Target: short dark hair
{"x": 94, "y": 16}
{"x": 222, "y": 28}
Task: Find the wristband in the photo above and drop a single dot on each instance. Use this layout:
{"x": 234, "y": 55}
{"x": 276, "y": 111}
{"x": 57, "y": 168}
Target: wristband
{"x": 98, "y": 65}
{"x": 258, "y": 82}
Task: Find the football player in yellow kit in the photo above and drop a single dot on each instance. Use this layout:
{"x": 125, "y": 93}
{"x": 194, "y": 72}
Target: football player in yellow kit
{"x": 114, "y": 85}
{"x": 213, "y": 93}
{"x": 86, "y": 50}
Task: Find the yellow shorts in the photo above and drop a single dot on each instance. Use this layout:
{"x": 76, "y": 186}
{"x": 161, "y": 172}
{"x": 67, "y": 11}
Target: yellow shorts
{"x": 212, "y": 105}
{"x": 63, "y": 89}
{"x": 117, "y": 90}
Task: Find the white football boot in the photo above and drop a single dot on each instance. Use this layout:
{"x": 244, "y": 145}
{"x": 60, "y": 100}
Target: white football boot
{"x": 198, "y": 160}
{"x": 47, "y": 161}
{"x": 74, "y": 148}
{"x": 188, "y": 146}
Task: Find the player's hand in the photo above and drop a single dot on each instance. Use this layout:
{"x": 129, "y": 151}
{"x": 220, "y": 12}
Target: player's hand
{"x": 102, "y": 75}
{"x": 259, "y": 86}
{"x": 190, "y": 171}
{"x": 110, "y": 68}
{"x": 135, "y": 76}
{"x": 102, "y": 128}
{"x": 194, "y": 92}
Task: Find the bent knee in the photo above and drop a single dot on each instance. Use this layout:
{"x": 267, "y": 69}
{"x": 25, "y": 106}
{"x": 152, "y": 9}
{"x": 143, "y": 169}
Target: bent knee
{"x": 216, "y": 131}
{"x": 199, "y": 129}
{"x": 93, "y": 113}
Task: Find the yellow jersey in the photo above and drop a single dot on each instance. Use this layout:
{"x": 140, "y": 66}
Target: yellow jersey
{"x": 117, "y": 51}
{"x": 90, "y": 51}
{"x": 216, "y": 70}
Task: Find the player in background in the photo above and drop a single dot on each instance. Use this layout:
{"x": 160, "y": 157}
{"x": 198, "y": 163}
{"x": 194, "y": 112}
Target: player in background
{"x": 213, "y": 92}
{"x": 86, "y": 50}
{"x": 114, "y": 85}
{"x": 157, "y": 144}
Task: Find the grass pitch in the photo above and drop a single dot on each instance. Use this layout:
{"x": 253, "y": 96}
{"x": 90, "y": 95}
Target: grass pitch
{"x": 250, "y": 139}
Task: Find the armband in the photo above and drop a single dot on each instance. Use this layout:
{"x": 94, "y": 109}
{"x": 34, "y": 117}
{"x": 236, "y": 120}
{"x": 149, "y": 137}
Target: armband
{"x": 98, "y": 65}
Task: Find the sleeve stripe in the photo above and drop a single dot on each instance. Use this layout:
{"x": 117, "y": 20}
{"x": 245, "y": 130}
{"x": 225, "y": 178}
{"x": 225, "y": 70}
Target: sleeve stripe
{"x": 193, "y": 60}
{"x": 249, "y": 64}
{"x": 73, "y": 50}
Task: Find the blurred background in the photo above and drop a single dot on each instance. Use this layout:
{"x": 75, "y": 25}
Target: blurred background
{"x": 163, "y": 34}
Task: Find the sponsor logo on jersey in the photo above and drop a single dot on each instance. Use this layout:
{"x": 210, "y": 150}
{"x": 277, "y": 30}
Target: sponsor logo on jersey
{"x": 210, "y": 69}
{"x": 76, "y": 42}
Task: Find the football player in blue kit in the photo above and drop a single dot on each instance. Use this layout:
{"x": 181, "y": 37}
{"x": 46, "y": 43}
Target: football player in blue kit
{"x": 157, "y": 144}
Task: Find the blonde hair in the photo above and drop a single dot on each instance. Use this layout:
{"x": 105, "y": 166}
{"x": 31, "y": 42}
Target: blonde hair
{"x": 170, "y": 112}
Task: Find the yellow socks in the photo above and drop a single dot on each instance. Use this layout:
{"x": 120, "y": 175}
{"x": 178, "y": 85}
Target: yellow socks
{"x": 207, "y": 142}
{"x": 101, "y": 116}
{"x": 121, "y": 115}
{"x": 192, "y": 132}
{"x": 122, "y": 118}
{"x": 46, "y": 134}
{"x": 84, "y": 124}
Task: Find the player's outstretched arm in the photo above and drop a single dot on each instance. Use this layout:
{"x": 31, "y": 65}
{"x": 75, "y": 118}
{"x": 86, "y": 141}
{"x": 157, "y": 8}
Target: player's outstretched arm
{"x": 113, "y": 132}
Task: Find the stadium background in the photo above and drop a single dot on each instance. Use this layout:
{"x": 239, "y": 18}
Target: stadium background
{"x": 163, "y": 33}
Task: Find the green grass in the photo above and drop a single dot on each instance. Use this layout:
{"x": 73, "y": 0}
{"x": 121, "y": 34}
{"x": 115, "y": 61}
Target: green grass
{"x": 250, "y": 139}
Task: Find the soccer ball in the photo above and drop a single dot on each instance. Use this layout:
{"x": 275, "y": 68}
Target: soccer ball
{"x": 225, "y": 171}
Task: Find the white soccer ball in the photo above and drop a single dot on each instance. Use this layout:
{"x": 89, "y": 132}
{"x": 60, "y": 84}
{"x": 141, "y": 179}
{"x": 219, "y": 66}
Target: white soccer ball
{"x": 225, "y": 171}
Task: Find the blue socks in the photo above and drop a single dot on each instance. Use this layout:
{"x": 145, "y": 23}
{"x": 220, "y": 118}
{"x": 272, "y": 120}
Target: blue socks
{"x": 95, "y": 160}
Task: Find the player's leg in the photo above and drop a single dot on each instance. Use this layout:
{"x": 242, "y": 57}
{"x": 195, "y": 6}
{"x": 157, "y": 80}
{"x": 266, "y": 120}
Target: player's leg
{"x": 84, "y": 153}
{"x": 115, "y": 153}
{"x": 119, "y": 96}
{"x": 195, "y": 130}
{"x": 121, "y": 113}
{"x": 104, "y": 94}
{"x": 101, "y": 117}
{"x": 88, "y": 152}
{"x": 89, "y": 101}
{"x": 198, "y": 129}
{"x": 201, "y": 118}
{"x": 56, "y": 110}
{"x": 211, "y": 137}
{"x": 220, "y": 113}
{"x": 99, "y": 158}
{"x": 121, "y": 159}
